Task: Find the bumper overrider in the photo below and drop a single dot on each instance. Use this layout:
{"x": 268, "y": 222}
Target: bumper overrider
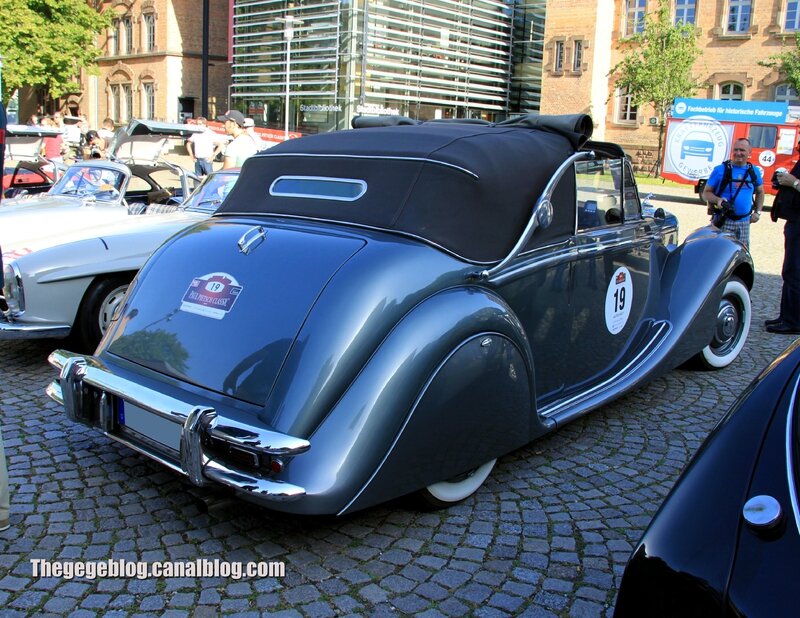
{"x": 94, "y": 396}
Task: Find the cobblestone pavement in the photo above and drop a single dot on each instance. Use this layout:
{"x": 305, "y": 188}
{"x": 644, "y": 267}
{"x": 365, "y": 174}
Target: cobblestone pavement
{"x": 547, "y": 535}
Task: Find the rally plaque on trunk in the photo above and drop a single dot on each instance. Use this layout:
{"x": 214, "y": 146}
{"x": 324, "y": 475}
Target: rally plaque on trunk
{"x": 211, "y": 295}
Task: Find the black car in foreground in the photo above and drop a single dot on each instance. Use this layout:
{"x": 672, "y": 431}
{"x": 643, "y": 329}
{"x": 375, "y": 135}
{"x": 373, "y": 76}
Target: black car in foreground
{"x": 726, "y": 540}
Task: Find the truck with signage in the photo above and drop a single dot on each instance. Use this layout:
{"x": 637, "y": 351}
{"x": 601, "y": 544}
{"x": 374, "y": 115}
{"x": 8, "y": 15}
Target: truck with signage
{"x": 700, "y": 133}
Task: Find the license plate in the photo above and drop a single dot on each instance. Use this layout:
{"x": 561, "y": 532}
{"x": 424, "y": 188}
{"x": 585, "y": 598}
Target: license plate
{"x": 150, "y": 425}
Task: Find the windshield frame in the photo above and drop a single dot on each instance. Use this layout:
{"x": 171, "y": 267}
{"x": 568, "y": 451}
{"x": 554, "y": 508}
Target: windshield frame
{"x": 206, "y": 198}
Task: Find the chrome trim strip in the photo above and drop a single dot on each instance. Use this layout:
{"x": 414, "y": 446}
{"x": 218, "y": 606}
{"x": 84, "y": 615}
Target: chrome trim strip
{"x": 53, "y": 391}
{"x": 531, "y": 262}
{"x": 564, "y": 409}
{"x": 542, "y": 204}
{"x": 789, "y": 460}
{"x": 143, "y": 449}
{"x": 254, "y": 438}
{"x": 360, "y": 226}
{"x": 196, "y": 422}
{"x": 272, "y": 490}
{"x": 266, "y": 154}
{"x": 14, "y": 331}
{"x": 362, "y": 185}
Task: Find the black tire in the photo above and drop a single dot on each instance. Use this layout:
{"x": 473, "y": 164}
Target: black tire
{"x": 96, "y": 309}
{"x": 731, "y": 328}
{"x": 447, "y": 493}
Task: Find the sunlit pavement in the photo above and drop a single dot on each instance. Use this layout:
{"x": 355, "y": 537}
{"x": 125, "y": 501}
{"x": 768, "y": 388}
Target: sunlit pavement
{"x": 548, "y": 534}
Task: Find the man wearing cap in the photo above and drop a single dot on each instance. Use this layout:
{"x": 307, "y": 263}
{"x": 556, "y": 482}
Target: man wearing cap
{"x": 242, "y": 145}
{"x": 250, "y": 127}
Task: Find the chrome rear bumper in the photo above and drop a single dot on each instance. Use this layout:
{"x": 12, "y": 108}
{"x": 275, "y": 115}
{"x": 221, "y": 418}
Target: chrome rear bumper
{"x": 197, "y": 424}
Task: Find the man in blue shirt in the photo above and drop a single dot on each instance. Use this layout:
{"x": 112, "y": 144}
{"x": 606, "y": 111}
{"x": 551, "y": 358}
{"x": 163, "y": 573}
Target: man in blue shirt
{"x": 744, "y": 192}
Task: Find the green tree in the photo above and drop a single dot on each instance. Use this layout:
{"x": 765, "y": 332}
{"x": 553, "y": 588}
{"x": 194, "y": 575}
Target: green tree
{"x": 45, "y": 43}
{"x": 657, "y": 66}
{"x": 787, "y": 63}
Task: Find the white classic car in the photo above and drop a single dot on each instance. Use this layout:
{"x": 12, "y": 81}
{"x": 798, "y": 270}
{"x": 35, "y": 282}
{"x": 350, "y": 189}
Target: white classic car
{"x": 68, "y": 256}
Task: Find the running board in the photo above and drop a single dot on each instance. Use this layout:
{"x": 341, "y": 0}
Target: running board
{"x": 565, "y": 410}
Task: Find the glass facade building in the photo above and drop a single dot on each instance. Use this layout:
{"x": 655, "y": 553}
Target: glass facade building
{"x": 419, "y": 58}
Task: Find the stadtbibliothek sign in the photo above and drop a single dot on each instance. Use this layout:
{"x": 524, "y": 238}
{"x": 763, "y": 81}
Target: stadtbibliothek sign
{"x": 377, "y": 110}
{"x": 320, "y": 108}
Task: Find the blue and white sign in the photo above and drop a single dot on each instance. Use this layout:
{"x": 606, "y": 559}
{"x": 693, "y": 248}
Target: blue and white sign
{"x": 695, "y": 146}
{"x": 732, "y": 111}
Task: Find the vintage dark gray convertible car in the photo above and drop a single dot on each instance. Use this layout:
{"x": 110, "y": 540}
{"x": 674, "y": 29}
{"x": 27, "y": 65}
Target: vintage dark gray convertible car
{"x": 383, "y": 311}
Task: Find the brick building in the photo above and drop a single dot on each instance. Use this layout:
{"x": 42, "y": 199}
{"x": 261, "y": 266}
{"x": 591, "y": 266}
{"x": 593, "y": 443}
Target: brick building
{"x": 151, "y": 62}
{"x": 582, "y": 46}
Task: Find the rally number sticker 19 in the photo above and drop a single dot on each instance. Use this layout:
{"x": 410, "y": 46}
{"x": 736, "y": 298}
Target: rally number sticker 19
{"x": 619, "y": 299}
{"x": 211, "y": 295}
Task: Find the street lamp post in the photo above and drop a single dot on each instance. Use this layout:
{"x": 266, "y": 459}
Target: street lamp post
{"x": 1, "y": 77}
{"x": 288, "y": 34}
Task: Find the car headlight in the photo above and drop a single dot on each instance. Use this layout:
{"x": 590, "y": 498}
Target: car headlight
{"x": 12, "y": 289}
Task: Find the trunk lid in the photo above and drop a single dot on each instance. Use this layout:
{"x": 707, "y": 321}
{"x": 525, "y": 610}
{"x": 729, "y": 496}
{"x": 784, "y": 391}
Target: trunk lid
{"x": 207, "y": 312}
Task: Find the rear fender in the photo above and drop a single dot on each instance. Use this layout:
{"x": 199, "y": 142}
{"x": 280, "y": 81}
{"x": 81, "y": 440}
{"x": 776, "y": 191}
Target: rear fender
{"x": 479, "y": 399}
{"x": 401, "y": 403}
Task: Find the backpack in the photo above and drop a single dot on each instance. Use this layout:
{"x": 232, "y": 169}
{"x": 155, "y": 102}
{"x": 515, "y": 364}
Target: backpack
{"x": 727, "y": 178}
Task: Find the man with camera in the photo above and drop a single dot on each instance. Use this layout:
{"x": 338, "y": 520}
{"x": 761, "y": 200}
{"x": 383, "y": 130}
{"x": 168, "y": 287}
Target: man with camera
{"x": 735, "y": 190}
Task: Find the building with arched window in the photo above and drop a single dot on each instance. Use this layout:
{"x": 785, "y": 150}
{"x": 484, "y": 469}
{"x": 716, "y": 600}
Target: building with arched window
{"x": 311, "y": 65}
{"x": 582, "y": 45}
{"x": 151, "y": 62}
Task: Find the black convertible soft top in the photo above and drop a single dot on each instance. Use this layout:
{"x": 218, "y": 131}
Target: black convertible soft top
{"x": 467, "y": 187}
